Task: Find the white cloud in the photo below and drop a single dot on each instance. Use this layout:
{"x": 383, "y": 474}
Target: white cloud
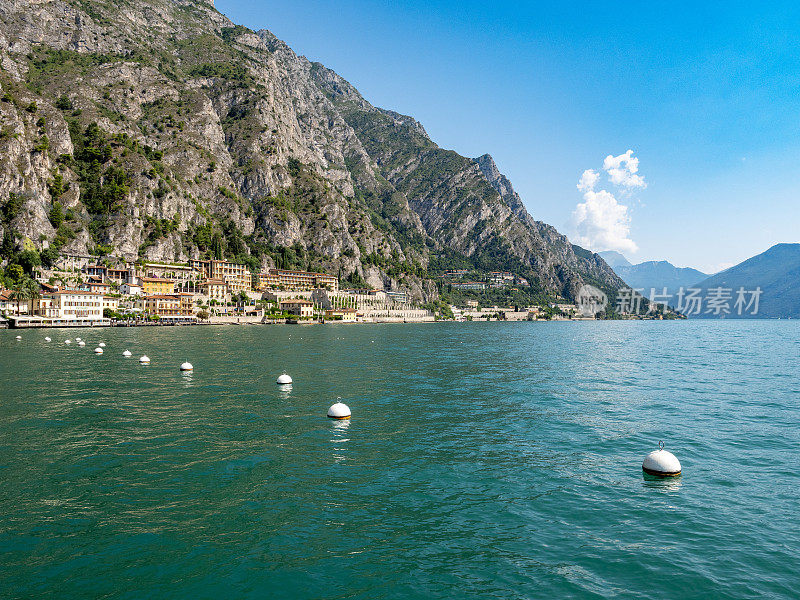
{"x": 588, "y": 180}
{"x": 622, "y": 170}
{"x": 600, "y": 222}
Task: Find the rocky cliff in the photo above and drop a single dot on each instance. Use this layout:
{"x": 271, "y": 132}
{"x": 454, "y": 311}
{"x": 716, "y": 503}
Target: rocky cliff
{"x": 161, "y": 130}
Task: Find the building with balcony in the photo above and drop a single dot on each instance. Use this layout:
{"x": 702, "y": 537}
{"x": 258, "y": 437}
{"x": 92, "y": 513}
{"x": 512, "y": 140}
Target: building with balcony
{"x": 284, "y": 279}
{"x": 215, "y": 289}
{"x": 156, "y": 285}
{"x": 71, "y": 306}
{"x": 238, "y": 277}
{"x": 171, "y": 307}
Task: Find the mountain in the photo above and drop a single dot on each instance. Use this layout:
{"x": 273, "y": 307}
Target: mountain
{"x": 776, "y": 272}
{"x": 659, "y": 274}
{"x": 614, "y": 259}
{"x": 161, "y": 130}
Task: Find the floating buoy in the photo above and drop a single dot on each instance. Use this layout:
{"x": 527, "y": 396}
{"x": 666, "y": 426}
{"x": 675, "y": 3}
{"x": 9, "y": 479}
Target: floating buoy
{"x": 98, "y": 350}
{"x": 67, "y": 341}
{"x": 77, "y": 339}
{"x": 661, "y": 463}
{"x": 126, "y": 354}
{"x": 284, "y": 379}
{"x": 47, "y": 339}
{"x": 81, "y": 343}
{"x": 102, "y": 344}
{"x": 339, "y": 411}
{"x": 19, "y": 337}
{"x": 145, "y": 360}
{"x": 187, "y": 366}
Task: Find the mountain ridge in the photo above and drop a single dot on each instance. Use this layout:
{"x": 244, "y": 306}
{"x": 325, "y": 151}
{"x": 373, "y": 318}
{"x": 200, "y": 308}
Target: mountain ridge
{"x": 215, "y": 140}
{"x": 776, "y": 271}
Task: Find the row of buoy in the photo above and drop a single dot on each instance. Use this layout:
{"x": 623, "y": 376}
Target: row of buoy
{"x": 659, "y": 463}
{"x": 339, "y": 410}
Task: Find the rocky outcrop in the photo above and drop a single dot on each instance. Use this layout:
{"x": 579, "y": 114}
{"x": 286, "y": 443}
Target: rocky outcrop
{"x": 164, "y": 131}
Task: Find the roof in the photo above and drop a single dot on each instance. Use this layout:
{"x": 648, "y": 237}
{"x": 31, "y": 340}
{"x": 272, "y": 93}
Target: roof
{"x": 213, "y": 282}
{"x": 343, "y": 310}
{"x": 162, "y": 297}
{"x": 296, "y": 301}
{"x": 157, "y": 280}
{"x": 293, "y": 272}
{"x": 74, "y": 293}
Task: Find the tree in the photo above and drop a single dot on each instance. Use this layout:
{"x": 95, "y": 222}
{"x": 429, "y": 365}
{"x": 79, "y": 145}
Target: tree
{"x": 203, "y": 314}
{"x": 14, "y": 272}
{"x": 56, "y": 215}
{"x": 49, "y": 257}
{"x": 28, "y": 260}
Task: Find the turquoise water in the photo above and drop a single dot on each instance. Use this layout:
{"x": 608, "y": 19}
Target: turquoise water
{"x": 483, "y": 460}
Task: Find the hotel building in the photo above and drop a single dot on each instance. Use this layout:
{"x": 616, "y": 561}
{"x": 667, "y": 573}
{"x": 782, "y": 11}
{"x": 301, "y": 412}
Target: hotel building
{"x": 276, "y": 279}
{"x": 238, "y": 277}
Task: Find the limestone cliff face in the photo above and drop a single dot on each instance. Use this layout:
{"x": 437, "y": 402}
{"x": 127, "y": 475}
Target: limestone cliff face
{"x": 164, "y": 131}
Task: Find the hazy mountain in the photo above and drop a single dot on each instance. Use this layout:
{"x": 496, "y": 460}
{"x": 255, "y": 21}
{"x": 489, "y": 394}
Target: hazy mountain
{"x": 614, "y": 259}
{"x": 776, "y": 272}
{"x": 159, "y": 129}
{"x": 659, "y": 274}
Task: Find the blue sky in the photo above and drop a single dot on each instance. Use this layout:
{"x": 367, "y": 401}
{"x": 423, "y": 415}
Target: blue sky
{"x": 708, "y": 99}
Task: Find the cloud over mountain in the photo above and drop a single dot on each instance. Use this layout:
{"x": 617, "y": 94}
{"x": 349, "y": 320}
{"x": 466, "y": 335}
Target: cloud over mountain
{"x": 601, "y": 222}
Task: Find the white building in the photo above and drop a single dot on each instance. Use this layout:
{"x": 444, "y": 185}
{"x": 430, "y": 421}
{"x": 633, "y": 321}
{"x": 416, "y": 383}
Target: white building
{"x": 130, "y": 289}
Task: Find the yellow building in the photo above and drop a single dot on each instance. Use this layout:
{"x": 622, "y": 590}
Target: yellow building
{"x": 110, "y": 302}
{"x": 295, "y": 281}
{"x": 299, "y": 307}
{"x": 170, "y": 306}
{"x": 341, "y": 314}
{"x": 156, "y": 285}
{"x": 238, "y": 277}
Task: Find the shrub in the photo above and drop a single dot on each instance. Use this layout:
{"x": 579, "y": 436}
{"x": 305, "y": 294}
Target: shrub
{"x": 64, "y": 103}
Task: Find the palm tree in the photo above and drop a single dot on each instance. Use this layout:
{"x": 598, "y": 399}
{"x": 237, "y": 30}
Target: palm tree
{"x": 18, "y": 293}
{"x": 33, "y": 291}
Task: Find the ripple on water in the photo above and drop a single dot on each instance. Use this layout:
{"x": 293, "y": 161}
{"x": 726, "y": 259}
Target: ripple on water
{"x": 483, "y": 460}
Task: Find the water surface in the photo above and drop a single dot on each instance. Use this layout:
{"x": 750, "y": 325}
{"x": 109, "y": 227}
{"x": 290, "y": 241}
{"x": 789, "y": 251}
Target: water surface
{"x": 483, "y": 460}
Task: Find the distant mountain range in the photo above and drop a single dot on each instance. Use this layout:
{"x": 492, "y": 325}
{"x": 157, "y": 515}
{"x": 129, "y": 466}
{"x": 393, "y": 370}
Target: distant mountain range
{"x": 769, "y": 284}
{"x": 653, "y": 274}
{"x": 776, "y": 272}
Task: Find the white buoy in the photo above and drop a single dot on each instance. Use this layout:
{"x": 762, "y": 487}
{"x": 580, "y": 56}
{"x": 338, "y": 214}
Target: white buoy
{"x": 126, "y": 354}
{"x": 187, "y": 366}
{"x": 19, "y": 337}
{"x": 98, "y": 350}
{"x": 661, "y": 463}
{"x": 284, "y": 379}
{"x": 102, "y": 344}
{"x": 145, "y": 360}
{"x": 47, "y": 339}
{"x": 339, "y": 411}
{"x": 67, "y": 341}
{"x": 81, "y": 343}
{"x": 77, "y": 339}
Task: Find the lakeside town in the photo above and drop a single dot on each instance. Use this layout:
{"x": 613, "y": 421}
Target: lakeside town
{"x": 89, "y": 291}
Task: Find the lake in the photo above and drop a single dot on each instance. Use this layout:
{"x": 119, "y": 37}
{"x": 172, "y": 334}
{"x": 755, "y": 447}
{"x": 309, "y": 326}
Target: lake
{"x": 483, "y": 460}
